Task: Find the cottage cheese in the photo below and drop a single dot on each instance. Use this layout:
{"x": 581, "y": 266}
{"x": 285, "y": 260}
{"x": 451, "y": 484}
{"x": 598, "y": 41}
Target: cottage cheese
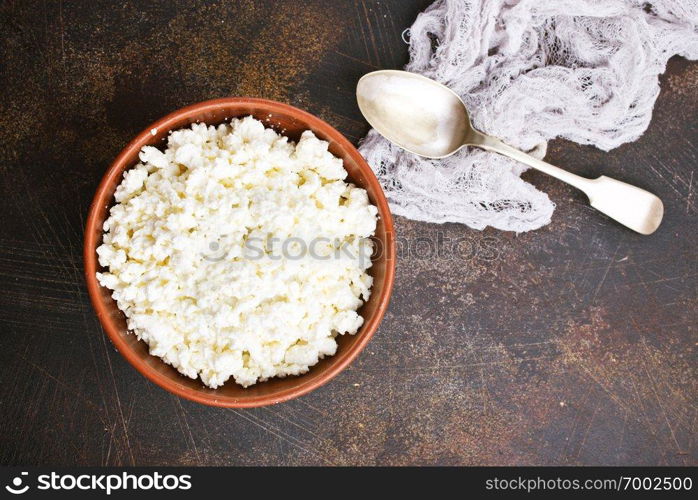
{"x": 236, "y": 252}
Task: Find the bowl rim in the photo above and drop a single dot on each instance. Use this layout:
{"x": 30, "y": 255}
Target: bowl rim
{"x": 118, "y": 166}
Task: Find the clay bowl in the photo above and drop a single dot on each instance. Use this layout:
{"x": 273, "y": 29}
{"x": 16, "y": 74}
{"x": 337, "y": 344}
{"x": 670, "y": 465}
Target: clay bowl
{"x": 292, "y": 122}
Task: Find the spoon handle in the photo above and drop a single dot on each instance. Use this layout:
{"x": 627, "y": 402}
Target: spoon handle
{"x": 633, "y": 207}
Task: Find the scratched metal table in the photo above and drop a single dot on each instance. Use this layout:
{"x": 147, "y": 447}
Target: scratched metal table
{"x": 574, "y": 344}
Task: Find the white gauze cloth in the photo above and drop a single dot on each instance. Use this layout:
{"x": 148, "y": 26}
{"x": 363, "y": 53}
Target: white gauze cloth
{"x": 530, "y": 71}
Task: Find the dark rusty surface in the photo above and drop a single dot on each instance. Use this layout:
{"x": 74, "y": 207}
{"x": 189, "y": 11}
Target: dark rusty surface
{"x": 574, "y": 344}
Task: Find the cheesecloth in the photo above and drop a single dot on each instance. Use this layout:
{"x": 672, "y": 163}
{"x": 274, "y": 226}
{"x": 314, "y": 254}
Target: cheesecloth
{"x": 530, "y": 71}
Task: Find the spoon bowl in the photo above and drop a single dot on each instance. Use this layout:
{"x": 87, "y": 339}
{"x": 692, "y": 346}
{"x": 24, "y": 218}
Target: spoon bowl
{"x": 414, "y": 112}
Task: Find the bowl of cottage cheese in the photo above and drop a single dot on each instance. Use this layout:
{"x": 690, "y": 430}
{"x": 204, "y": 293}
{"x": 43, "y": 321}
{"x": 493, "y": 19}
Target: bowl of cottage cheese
{"x": 239, "y": 252}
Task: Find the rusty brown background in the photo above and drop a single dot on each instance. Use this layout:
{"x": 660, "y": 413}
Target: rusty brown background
{"x": 574, "y": 344}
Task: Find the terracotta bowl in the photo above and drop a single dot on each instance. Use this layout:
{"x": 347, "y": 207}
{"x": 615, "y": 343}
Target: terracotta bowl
{"x": 292, "y": 122}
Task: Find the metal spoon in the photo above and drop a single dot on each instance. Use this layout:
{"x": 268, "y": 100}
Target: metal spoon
{"x": 428, "y": 119}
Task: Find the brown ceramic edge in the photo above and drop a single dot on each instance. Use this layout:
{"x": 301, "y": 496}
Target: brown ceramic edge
{"x": 90, "y": 261}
